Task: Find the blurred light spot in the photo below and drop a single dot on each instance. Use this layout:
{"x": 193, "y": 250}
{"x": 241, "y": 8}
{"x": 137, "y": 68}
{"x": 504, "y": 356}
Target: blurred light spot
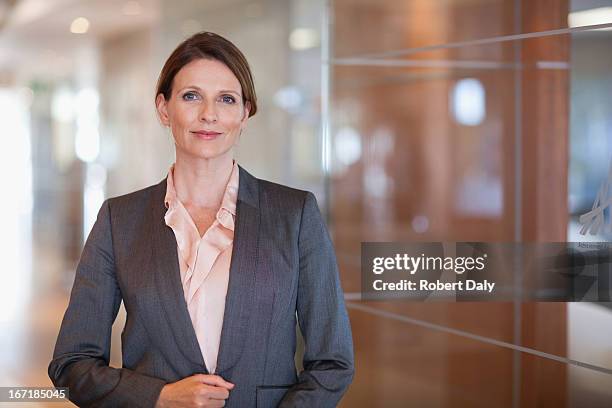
{"x": 92, "y": 201}
{"x": 27, "y": 95}
{"x": 288, "y": 98}
{"x": 552, "y": 65}
{"x": 347, "y": 145}
{"x": 93, "y": 195}
{"x": 377, "y": 183}
{"x": 86, "y": 146}
{"x": 131, "y": 8}
{"x": 600, "y": 15}
{"x": 468, "y": 102}
{"x": 16, "y": 241}
{"x": 87, "y": 140}
{"x": 62, "y": 105}
{"x": 479, "y": 196}
{"x": 303, "y": 39}
{"x": 420, "y": 224}
{"x": 87, "y": 100}
{"x": 96, "y": 175}
{"x": 79, "y": 25}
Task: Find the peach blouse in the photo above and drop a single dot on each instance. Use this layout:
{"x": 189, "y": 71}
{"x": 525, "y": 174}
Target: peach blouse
{"x": 204, "y": 263}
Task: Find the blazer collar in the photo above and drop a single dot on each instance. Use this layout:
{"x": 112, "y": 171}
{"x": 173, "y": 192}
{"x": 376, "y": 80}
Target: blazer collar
{"x": 248, "y": 188}
{"x": 241, "y": 297}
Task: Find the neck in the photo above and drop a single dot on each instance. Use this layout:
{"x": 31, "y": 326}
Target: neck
{"x": 201, "y": 182}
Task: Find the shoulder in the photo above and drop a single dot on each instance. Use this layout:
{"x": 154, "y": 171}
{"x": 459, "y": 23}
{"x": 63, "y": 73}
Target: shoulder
{"x": 272, "y": 189}
{"x": 282, "y": 197}
{"x": 277, "y": 198}
{"x": 138, "y": 200}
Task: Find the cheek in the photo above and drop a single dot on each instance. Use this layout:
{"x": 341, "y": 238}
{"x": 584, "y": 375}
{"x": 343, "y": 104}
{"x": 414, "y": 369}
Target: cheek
{"x": 182, "y": 117}
{"x": 232, "y": 120}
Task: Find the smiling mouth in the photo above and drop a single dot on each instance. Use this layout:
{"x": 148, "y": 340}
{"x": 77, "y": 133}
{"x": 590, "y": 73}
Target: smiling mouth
{"x": 206, "y": 134}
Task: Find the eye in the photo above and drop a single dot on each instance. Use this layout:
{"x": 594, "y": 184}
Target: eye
{"x": 190, "y": 96}
{"x": 228, "y": 99}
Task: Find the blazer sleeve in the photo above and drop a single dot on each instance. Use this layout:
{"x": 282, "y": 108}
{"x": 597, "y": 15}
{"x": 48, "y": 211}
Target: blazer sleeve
{"x": 323, "y": 319}
{"x": 82, "y": 352}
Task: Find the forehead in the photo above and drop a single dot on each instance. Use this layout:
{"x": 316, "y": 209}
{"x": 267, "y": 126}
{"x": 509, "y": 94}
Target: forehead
{"x": 207, "y": 74}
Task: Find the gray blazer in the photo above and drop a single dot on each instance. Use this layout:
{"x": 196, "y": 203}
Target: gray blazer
{"x": 283, "y": 262}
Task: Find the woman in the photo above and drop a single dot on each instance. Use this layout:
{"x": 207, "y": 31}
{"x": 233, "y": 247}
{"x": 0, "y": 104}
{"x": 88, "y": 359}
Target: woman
{"x": 212, "y": 265}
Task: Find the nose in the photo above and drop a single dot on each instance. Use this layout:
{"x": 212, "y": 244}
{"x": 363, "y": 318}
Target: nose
{"x": 208, "y": 112}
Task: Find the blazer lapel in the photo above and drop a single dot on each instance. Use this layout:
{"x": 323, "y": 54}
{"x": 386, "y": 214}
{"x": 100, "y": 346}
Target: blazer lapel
{"x": 168, "y": 280}
{"x": 240, "y": 299}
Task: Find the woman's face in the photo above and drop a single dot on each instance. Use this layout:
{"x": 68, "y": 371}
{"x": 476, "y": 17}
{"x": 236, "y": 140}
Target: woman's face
{"x": 205, "y": 110}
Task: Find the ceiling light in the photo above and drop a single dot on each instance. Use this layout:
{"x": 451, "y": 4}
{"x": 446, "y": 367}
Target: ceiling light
{"x": 468, "y": 102}
{"x": 79, "y": 25}
{"x": 303, "y": 39}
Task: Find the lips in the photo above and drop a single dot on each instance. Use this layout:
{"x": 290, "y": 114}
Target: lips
{"x": 206, "y": 134}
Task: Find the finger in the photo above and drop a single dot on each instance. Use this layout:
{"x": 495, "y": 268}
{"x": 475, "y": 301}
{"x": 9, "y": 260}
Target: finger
{"x": 215, "y": 403}
{"x": 215, "y": 392}
{"x": 211, "y": 379}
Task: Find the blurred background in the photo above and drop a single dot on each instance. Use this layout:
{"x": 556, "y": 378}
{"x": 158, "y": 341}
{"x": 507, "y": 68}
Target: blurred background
{"x": 411, "y": 120}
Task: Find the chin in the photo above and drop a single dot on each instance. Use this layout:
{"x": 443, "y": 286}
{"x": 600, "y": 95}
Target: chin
{"x": 207, "y": 150}
{"x": 208, "y": 153}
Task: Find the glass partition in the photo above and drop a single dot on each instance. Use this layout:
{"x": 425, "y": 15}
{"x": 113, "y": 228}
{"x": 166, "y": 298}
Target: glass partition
{"x": 470, "y": 121}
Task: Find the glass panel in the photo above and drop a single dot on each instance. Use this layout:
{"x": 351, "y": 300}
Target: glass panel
{"x": 468, "y": 145}
{"x": 400, "y": 364}
{"x": 365, "y": 27}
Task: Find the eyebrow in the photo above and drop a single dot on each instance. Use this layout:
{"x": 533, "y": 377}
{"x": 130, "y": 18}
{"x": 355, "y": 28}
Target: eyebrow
{"x": 200, "y": 89}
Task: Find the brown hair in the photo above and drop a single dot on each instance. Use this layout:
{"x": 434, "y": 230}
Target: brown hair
{"x": 209, "y": 45}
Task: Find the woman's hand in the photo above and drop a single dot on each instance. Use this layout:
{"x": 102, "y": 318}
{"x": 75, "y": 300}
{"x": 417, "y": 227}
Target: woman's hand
{"x": 199, "y": 390}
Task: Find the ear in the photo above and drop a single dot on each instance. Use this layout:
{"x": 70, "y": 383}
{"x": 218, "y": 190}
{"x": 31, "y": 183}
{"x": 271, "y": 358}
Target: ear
{"x": 162, "y": 109}
{"x": 247, "y": 109}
